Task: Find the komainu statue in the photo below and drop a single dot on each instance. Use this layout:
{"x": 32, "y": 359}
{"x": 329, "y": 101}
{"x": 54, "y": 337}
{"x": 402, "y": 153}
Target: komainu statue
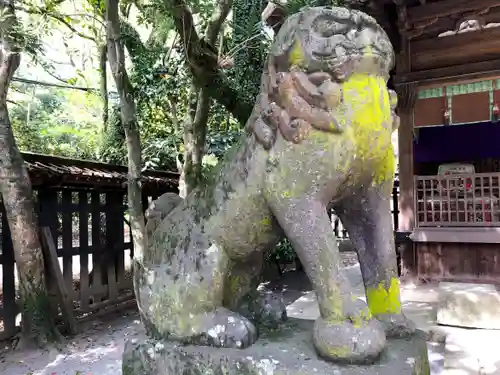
{"x": 320, "y": 134}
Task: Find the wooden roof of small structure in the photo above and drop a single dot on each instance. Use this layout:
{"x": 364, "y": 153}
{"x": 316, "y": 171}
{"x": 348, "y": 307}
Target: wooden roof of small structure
{"x": 51, "y": 170}
{"x": 441, "y": 39}
{"x": 433, "y": 39}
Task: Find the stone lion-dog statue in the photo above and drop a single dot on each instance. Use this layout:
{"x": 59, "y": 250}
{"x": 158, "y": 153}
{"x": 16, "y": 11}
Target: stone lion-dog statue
{"x": 320, "y": 134}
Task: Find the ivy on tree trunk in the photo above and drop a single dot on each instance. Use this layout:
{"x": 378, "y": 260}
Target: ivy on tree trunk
{"x": 37, "y": 324}
{"x": 195, "y": 124}
{"x": 103, "y": 59}
{"x": 203, "y": 60}
{"x": 116, "y": 58}
{"x": 195, "y": 134}
{"x": 250, "y": 45}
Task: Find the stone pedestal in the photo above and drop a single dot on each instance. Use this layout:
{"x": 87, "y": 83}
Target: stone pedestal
{"x": 287, "y": 351}
{"x": 469, "y": 305}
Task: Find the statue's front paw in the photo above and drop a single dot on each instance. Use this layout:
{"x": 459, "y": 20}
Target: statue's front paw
{"x": 348, "y": 341}
{"x": 263, "y": 308}
{"x": 397, "y": 325}
{"x": 229, "y": 330}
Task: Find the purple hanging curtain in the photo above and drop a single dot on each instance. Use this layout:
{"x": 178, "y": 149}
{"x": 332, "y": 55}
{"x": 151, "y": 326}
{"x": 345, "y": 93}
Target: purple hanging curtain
{"x": 457, "y": 142}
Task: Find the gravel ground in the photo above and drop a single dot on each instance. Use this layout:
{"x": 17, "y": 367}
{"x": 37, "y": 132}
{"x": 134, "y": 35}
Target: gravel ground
{"x": 348, "y": 258}
{"x": 96, "y": 350}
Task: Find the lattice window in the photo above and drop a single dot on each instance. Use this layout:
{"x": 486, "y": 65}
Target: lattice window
{"x": 458, "y": 200}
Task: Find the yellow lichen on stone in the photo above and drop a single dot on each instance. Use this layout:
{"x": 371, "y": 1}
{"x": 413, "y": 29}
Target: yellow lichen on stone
{"x": 286, "y": 194}
{"x": 234, "y": 284}
{"x": 357, "y": 321}
{"x": 334, "y": 301}
{"x": 338, "y": 351}
{"x": 296, "y": 56}
{"x": 382, "y": 300}
{"x": 364, "y": 315}
{"x": 266, "y": 221}
{"x": 367, "y": 120}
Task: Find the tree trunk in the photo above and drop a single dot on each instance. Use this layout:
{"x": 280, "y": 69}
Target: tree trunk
{"x": 203, "y": 59}
{"x": 116, "y": 58}
{"x": 195, "y": 135}
{"x": 103, "y": 58}
{"x": 195, "y": 126}
{"x": 37, "y": 325}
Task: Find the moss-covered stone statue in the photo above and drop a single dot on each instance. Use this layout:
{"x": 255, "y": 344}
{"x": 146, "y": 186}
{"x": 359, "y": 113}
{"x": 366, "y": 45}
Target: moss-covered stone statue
{"x": 320, "y": 132}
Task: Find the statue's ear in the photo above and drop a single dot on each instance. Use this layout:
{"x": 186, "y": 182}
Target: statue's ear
{"x": 284, "y": 42}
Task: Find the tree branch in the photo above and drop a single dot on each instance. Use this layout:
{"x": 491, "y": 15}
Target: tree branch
{"x": 115, "y": 52}
{"x": 116, "y": 58}
{"x": 131, "y": 40}
{"x": 85, "y": 15}
{"x": 57, "y": 17}
{"x": 103, "y": 58}
{"x": 174, "y": 117}
{"x": 216, "y": 21}
{"x": 48, "y": 84}
{"x": 203, "y": 62}
{"x": 48, "y": 70}
{"x": 10, "y": 57}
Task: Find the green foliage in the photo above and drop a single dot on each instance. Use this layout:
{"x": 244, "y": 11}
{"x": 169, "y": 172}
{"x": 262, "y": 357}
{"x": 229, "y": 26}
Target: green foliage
{"x": 295, "y": 5}
{"x": 250, "y": 46}
{"x": 162, "y": 95}
{"x": 20, "y": 37}
{"x": 283, "y": 253}
{"x": 112, "y": 148}
{"x": 56, "y": 122}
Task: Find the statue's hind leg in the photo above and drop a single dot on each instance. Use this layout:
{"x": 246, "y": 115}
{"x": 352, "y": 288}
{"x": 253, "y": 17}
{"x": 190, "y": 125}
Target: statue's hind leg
{"x": 345, "y": 331}
{"x": 182, "y": 300}
{"x": 367, "y": 217}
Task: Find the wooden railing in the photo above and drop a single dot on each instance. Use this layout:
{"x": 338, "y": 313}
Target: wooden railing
{"x": 460, "y": 200}
{"x": 93, "y": 246}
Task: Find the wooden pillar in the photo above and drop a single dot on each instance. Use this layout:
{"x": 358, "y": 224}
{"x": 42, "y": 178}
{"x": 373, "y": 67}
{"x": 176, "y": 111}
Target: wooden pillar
{"x": 406, "y": 203}
{"x": 405, "y": 141}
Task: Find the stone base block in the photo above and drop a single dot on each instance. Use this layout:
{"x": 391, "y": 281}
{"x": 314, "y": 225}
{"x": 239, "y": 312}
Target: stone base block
{"x": 469, "y": 305}
{"x": 287, "y": 351}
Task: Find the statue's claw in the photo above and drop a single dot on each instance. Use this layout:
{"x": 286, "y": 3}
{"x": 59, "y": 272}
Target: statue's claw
{"x": 227, "y": 329}
{"x": 397, "y": 325}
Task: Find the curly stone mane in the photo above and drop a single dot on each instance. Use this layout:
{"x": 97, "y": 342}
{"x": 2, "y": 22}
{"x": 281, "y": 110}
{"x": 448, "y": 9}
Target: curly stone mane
{"x": 312, "y": 55}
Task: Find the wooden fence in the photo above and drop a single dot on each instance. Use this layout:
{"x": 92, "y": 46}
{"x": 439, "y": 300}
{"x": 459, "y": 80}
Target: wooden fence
{"x": 84, "y": 206}
{"x": 94, "y": 247}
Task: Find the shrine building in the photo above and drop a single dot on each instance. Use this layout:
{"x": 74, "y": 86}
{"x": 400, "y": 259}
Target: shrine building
{"x": 447, "y": 77}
